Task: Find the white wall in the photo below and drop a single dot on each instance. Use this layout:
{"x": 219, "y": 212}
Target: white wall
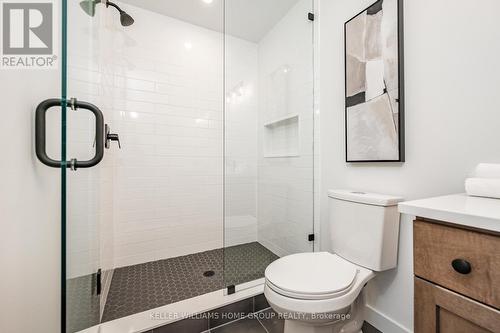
{"x": 29, "y": 209}
{"x": 162, "y": 92}
{"x": 285, "y": 183}
{"x": 169, "y": 111}
{"x": 452, "y": 117}
{"x": 161, "y": 195}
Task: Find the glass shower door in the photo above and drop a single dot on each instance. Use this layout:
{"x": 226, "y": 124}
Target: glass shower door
{"x": 87, "y": 187}
{"x": 269, "y": 137}
{"x": 84, "y": 204}
{"x": 134, "y": 218}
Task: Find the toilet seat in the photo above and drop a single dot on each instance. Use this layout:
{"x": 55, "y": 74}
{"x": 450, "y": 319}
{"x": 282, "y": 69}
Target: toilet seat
{"x": 320, "y": 292}
{"x": 311, "y": 276}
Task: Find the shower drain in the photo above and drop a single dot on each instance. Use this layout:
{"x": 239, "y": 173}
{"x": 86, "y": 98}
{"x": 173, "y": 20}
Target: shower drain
{"x": 209, "y": 274}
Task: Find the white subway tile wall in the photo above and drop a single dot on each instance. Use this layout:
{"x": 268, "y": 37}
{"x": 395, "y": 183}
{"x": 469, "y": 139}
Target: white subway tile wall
{"x": 285, "y": 181}
{"x": 241, "y": 141}
{"x": 161, "y": 195}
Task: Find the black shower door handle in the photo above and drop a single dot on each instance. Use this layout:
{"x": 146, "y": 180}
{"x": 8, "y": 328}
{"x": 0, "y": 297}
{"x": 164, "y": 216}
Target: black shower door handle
{"x": 40, "y": 133}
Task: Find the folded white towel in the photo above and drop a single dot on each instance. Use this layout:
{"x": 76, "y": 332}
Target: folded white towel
{"x": 487, "y": 170}
{"x": 483, "y": 187}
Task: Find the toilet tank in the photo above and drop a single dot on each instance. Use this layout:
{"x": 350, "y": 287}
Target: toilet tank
{"x": 364, "y": 228}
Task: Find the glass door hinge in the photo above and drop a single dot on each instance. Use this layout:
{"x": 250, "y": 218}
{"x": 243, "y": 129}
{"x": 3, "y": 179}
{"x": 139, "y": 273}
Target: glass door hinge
{"x": 98, "y": 282}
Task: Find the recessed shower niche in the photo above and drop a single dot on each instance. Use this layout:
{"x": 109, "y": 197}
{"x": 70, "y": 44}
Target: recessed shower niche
{"x": 281, "y": 137}
{"x": 281, "y": 128}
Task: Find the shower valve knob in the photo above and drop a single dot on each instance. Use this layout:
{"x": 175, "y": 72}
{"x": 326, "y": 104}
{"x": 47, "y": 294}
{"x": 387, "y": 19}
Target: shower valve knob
{"x": 111, "y": 137}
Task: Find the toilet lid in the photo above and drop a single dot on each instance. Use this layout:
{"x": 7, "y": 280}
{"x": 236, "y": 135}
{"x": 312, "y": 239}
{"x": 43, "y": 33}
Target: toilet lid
{"x": 311, "y": 275}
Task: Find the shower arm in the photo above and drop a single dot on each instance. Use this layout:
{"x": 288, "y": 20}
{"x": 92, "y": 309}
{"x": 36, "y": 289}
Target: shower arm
{"x": 109, "y": 3}
{"x": 89, "y": 7}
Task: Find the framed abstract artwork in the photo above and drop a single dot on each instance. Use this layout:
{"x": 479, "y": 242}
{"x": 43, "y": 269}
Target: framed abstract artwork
{"x": 374, "y": 84}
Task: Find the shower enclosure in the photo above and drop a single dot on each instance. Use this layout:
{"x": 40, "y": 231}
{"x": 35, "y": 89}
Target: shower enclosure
{"x": 187, "y": 131}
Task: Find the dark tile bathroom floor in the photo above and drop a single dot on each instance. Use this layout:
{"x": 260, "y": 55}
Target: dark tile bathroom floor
{"x": 267, "y": 321}
{"x": 150, "y": 285}
{"x": 82, "y": 304}
{"x": 251, "y": 315}
{"x": 141, "y": 287}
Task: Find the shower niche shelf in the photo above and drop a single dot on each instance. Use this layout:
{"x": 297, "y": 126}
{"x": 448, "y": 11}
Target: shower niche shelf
{"x": 281, "y": 137}
{"x": 283, "y": 120}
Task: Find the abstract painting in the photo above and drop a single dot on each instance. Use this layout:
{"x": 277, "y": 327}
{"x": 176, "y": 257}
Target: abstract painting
{"x": 374, "y": 96}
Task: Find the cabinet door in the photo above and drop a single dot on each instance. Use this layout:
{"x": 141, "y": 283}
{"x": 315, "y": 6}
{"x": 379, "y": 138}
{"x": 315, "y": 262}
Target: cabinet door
{"x": 440, "y": 310}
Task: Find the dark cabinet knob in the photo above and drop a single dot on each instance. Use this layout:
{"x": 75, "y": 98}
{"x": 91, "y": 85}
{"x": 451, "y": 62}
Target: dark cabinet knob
{"x": 461, "y": 266}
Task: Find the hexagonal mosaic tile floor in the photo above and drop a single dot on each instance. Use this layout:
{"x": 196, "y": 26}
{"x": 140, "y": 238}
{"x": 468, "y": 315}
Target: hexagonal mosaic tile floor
{"x": 150, "y": 285}
{"x": 82, "y": 303}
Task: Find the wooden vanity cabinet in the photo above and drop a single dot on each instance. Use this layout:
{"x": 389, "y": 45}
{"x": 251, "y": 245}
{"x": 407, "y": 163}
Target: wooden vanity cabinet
{"x": 457, "y": 278}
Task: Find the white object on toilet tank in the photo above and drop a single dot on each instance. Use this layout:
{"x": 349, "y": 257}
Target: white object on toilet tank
{"x": 364, "y": 228}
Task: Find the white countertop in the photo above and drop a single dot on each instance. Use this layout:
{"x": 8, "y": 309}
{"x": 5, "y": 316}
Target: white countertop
{"x": 460, "y": 209}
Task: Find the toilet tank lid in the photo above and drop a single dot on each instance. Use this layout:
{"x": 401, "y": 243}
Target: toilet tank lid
{"x": 365, "y": 197}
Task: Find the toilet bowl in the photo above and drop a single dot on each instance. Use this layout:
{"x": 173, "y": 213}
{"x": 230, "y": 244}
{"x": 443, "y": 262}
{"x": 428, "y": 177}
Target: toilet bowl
{"x": 317, "y": 292}
{"x": 323, "y": 292}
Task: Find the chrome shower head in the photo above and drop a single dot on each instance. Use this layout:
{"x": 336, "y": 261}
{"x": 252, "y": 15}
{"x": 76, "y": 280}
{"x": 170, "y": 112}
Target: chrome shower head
{"x": 88, "y": 7}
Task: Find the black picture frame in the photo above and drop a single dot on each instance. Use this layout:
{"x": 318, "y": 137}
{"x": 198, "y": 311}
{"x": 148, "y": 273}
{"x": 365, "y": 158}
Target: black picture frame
{"x": 401, "y": 102}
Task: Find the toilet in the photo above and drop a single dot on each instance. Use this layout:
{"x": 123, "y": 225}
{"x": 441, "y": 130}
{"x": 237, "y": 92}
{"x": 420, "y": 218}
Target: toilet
{"x": 322, "y": 292}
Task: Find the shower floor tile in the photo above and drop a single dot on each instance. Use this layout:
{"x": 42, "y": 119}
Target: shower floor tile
{"x": 82, "y": 304}
{"x": 150, "y": 285}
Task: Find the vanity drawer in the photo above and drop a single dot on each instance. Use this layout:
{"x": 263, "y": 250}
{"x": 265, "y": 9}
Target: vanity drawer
{"x": 476, "y": 257}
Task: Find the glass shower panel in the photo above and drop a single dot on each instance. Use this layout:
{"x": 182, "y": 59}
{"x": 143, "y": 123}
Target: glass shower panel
{"x": 269, "y": 136}
{"x": 146, "y": 222}
{"x": 89, "y": 196}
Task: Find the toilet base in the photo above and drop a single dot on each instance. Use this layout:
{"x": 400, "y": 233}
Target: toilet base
{"x": 351, "y": 325}
{"x": 293, "y": 326}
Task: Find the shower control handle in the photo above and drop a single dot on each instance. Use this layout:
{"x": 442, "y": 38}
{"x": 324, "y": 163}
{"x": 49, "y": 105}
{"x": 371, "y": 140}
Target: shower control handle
{"x": 111, "y": 137}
